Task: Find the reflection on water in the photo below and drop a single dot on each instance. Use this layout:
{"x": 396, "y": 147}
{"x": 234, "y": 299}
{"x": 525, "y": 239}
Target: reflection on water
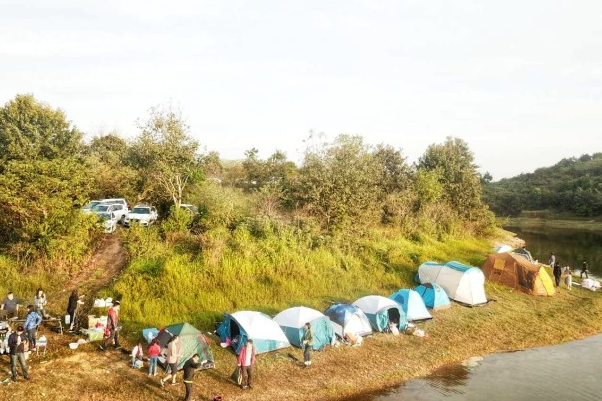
{"x": 571, "y": 247}
{"x": 562, "y": 372}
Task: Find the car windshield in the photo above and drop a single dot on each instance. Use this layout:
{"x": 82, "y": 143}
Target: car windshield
{"x": 101, "y": 208}
{"x": 91, "y": 204}
{"x": 141, "y": 210}
{"x": 104, "y": 216}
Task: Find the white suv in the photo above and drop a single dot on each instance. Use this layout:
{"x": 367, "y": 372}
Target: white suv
{"x": 141, "y": 214}
{"x": 119, "y": 210}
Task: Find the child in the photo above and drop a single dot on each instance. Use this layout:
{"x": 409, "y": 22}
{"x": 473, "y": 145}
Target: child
{"x": 137, "y": 355}
{"x": 568, "y": 277}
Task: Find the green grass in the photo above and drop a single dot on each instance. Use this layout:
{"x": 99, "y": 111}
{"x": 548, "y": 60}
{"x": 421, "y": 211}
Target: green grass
{"x": 271, "y": 271}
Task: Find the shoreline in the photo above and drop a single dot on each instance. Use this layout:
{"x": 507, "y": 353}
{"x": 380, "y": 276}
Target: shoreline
{"x": 541, "y": 223}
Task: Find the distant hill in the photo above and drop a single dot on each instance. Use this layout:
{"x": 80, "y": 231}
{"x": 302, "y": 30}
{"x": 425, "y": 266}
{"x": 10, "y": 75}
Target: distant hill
{"x": 573, "y": 185}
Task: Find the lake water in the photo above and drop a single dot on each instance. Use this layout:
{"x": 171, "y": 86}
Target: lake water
{"x": 571, "y": 247}
{"x": 562, "y": 372}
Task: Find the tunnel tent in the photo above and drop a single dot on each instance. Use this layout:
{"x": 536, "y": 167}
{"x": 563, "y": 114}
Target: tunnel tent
{"x": 191, "y": 342}
{"x": 382, "y": 311}
{"x": 515, "y": 271}
{"x": 433, "y": 295}
{"x": 238, "y": 327}
{"x": 347, "y": 318}
{"x": 292, "y": 322}
{"x": 462, "y": 283}
{"x": 412, "y": 305}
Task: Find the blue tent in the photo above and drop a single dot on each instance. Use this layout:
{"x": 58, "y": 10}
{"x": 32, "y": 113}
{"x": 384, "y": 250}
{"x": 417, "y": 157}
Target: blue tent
{"x": 434, "y": 296}
{"x": 292, "y": 322}
{"x": 412, "y": 305}
{"x": 347, "y": 318}
{"x": 382, "y": 311}
{"x": 242, "y": 326}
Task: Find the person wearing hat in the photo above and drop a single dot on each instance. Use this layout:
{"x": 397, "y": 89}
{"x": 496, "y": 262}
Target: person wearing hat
{"x": 17, "y": 346}
{"x": 111, "y": 331}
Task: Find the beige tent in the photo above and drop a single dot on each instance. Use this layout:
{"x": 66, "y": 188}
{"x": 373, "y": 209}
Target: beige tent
{"x": 515, "y": 271}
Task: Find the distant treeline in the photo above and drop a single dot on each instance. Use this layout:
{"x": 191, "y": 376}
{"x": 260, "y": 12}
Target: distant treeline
{"x": 572, "y": 185}
{"x": 48, "y": 172}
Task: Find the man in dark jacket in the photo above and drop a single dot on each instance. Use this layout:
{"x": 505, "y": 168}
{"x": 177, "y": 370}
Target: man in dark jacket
{"x": 190, "y": 366}
{"x": 17, "y": 345}
{"x": 557, "y": 273}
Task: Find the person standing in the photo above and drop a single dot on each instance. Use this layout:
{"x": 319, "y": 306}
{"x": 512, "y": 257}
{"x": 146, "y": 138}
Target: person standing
{"x": 39, "y": 303}
{"x": 568, "y": 277}
{"x": 584, "y": 270}
{"x": 557, "y": 273}
{"x": 112, "y": 328}
{"x": 552, "y": 260}
{"x": 17, "y": 345}
{"x": 308, "y": 341}
{"x": 32, "y": 321}
{"x": 190, "y": 366}
{"x": 172, "y": 358}
{"x": 246, "y": 361}
{"x": 10, "y": 305}
{"x": 154, "y": 350}
{"x": 72, "y": 307}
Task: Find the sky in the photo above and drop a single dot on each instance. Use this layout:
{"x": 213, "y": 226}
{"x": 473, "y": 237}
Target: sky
{"x": 519, "y": 81}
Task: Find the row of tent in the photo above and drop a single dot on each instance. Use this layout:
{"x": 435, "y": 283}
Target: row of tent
{"x": 439, "y": 283}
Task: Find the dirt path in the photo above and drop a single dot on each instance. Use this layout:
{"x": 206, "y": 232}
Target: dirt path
{"x": 102, "y": 268}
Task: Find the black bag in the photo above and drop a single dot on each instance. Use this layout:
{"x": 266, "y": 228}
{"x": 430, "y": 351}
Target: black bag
{"x": 237, "y": 376}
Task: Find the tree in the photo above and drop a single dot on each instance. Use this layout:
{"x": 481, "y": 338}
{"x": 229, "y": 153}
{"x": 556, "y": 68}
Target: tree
{"x": 338, "y": 182}
{"x": 33, "y": 130}
{"x": 43, "y": 181}
{"x": 166, "y": 155}
{"x": 458, "y": 175}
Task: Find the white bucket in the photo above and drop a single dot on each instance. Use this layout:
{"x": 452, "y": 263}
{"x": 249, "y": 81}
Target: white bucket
{"x": 67, "y": 319}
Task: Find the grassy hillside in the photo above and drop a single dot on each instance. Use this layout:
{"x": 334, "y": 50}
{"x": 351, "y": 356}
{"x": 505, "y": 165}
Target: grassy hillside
{"x": 268, "y": 268}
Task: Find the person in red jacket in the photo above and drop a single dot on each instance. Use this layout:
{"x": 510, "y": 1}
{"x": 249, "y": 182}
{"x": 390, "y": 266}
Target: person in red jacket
{"x": 112, "y": 325}
{"x": 154, "y": 350}
{"x": 246, "y": 361}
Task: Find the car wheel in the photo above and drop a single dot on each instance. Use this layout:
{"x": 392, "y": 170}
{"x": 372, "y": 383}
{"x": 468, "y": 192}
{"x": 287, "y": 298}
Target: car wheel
{"x": 122, "y": 219}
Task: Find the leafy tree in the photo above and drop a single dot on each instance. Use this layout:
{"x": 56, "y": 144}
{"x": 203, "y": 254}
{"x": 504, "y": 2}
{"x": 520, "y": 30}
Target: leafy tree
{"x": 166, "y": 156}
{"x": 32, "y": 130}
{"x": 338, "y": 182}
{"x": 458, "y": 175}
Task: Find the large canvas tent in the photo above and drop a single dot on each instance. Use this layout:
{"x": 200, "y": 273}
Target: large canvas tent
{"x": 433, "y": 295}
{"x": 382, "y": 311}
{"x": 462, "y": 283}
{"x": 238, "y": 327}
{"x": 292, "y": 322}
{"x": 412, "y": 305}
{"x": 191, "y": 342}
{"x": 515, "y": 271}
{"x": 347, "y": 318}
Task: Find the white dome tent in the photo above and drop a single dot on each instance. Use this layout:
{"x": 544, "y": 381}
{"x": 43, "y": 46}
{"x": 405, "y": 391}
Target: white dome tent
{"x": 462, "y": 283}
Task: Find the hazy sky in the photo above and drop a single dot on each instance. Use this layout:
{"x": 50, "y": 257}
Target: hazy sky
{"x": 520, "y": 81}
